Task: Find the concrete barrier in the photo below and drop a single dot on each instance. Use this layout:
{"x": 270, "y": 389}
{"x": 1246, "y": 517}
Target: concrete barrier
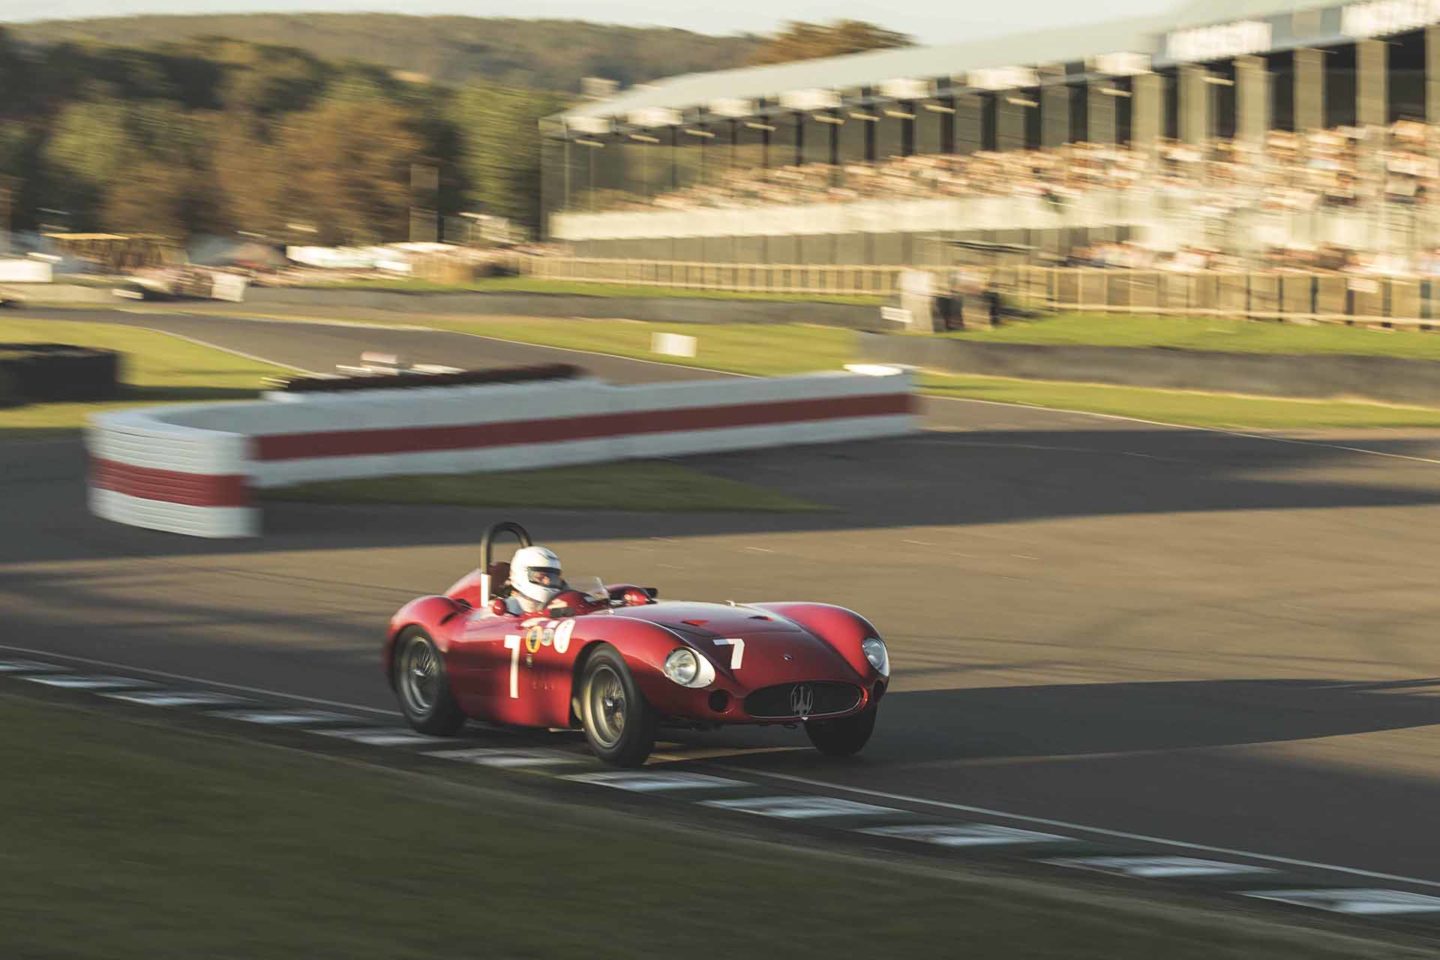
{"x": 195, "y": 469}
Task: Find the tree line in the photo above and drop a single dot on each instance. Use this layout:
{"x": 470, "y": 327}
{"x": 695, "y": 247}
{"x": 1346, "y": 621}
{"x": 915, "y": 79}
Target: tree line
{"x": 216, "y": 136}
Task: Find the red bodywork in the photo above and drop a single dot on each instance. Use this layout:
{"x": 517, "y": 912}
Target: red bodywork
{"x": 522, "y": 670}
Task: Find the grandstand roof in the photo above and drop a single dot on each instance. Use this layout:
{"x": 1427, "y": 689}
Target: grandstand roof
{"x": 1055, "y": 45}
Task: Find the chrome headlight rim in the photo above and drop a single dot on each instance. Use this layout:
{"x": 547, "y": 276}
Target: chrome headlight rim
{"x": 700, "y": 672}
{"x": 877, "y": 654}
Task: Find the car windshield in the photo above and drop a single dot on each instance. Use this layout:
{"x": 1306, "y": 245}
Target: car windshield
{"x": 592, "y": 587}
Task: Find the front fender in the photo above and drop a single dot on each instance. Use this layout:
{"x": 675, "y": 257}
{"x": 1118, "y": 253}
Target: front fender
{"x": 844, "y": 630}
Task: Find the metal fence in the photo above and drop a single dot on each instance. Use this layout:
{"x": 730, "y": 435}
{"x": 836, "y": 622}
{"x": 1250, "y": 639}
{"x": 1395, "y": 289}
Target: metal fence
{"x": 816, "y": 279}
{"x": 1262, "y": 295}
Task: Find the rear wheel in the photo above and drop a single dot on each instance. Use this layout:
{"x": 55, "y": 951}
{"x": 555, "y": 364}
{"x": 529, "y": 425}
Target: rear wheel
{"x": 845, "y": 736}
{"x": 423, "y": 687}
{"x": 619, "y": 723}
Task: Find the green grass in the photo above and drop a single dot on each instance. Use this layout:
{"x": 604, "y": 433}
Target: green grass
{"x": 130, "y": 839}
{"x": 1226, "y": 411}
{"x": 1210, "y": 333}
{"x": 777, "y": 350}
{"x": 589, "y": 289}
{"x": 155, "y": 368}
{"x": 633, "y": 485}
{"x": 759, "y": 349}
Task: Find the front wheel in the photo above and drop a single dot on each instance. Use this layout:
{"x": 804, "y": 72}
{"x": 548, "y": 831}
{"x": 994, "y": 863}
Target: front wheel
{"x": 846, "y": 736}
{"x": 619, "y": 723}
{"x": 423, "y": 687}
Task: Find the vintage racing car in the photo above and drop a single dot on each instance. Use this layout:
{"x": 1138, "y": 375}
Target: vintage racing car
{"x": 620, "y": 664}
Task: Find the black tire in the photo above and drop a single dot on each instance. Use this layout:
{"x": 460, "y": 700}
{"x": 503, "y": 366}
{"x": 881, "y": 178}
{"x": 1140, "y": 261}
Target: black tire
{"x": 422, "y": 686}
{"x": 618, "y": 721}
{"x": 845, "y": 736}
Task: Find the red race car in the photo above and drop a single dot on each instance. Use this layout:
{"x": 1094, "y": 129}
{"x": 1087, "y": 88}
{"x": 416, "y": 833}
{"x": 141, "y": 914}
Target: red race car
{"x": 619, "y": 664}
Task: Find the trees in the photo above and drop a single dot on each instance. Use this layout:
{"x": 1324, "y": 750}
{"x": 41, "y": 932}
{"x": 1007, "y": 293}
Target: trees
{"x": 346, "y": 169}
{"x": 500, "y": 153}
{"x": 807, "y": 41}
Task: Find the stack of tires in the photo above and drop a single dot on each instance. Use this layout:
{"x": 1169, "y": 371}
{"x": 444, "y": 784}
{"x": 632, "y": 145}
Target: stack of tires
{"x": 49, "y": 372}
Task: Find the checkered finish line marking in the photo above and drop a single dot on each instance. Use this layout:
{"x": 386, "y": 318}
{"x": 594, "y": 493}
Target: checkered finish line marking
{"x": 1348, "y": 901}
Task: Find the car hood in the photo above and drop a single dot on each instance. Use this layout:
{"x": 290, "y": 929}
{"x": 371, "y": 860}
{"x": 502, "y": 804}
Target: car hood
{"x": 776, "y": 650}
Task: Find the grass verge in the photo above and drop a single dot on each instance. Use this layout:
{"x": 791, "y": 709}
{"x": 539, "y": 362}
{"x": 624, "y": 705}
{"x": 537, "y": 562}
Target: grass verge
{"x": 1211, "y": 333}
{"x": 1223, "y": 411}
{"x": 155, "y": 368}
{"x": 589, "y": 289}
{"x": 776, "y": 350}
{"x": 633, "y": 485}
{"x": 140, "y": 839}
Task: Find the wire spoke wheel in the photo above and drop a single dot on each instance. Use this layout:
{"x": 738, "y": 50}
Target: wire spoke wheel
{"x": 619, "y": 723}
{"x": 419, "y": 676}
{"x": 607, "y": 706}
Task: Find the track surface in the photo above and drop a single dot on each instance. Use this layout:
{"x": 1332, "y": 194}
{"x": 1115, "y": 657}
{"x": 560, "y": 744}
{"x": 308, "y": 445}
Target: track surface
{"x": 1213, "y": 638}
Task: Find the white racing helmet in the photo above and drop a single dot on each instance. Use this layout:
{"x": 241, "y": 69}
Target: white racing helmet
{"x": 535, "y": 574}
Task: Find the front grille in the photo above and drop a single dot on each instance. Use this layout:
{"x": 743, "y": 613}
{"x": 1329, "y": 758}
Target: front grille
{"x": 779, "y": 702}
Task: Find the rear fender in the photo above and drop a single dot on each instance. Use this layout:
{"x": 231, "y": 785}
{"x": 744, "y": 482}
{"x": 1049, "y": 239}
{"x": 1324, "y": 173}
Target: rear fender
{"x": 429, "y": 613}
{"x": 844, "y": 630}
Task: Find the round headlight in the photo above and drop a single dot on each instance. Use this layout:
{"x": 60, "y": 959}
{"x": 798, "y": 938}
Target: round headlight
{"x": 878, "y": 656}
{"x": 682, "y": 666}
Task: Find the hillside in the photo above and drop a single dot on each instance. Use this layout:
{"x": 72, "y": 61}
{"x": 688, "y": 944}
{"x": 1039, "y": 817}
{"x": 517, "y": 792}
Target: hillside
{"x": 545, "y": 54}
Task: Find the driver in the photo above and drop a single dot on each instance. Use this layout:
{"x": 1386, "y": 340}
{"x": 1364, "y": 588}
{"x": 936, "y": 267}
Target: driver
{"x": 535, "y": 579}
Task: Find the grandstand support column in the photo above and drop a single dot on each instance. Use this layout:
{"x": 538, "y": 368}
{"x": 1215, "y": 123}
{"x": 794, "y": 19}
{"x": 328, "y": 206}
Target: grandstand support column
{"x": 1432, "y": 74}
{"x": 1010, "y": 107}
{"x": 929, "y": 124}
{"x": 1309, "y": 89}
{"x": 1147, "y": 113}
{"x": 1372, "y": 64}
{"x": 1100, "y": 111}
{"x": 1054, "y": 108}
{"x": 1196, "y": 97}
{"x": 889, "y": 131}
{"x": 1252, "y": 99}
{"x": 969, "y": 122}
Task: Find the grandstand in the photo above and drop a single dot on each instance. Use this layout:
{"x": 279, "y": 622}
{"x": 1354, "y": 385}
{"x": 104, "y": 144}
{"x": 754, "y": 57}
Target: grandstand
{"x": 1230, "y": 132}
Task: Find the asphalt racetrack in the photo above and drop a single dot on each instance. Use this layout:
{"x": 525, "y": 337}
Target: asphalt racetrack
{"x": 1217, "y": 639}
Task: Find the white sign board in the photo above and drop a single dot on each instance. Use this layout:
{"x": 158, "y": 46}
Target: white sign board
{"x": 1380, "y": 17}
{"x": 1219, "y": 42}
{"x": 26, "y": 271}
{"x": 229, "y": 287}
{"x": 674, "y": 345}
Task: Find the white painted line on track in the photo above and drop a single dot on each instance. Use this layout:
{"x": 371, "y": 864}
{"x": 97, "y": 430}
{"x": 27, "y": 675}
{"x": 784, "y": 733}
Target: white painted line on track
{"x": 655, "y": 782}
{"x": 200, "y": 680}
{"x": 70, "y": 681}
{"x": 287, "y": 718}
{"x": 1372, "y": 903}
{"x": 1159, "y": 867}
{"x": 29, "y": 666}
{"x": 730, "y": 373}
{"x": 1098, "y": 831}
{"x": 383, "y": 736}
{"x": 801, "y": 808}
{"x": 965, "y": 834}
{"x": 215, "y": 346}
{"x": 505, "y": 758}
{"x": 1188, "y": 426}
{"x": 178, "y": 698}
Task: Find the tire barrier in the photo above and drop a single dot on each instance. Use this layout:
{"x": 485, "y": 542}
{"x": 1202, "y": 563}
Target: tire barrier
{"x": 36, "y": 372}
{"x": 195, "y": 469}
{"x": 548, "y": 371}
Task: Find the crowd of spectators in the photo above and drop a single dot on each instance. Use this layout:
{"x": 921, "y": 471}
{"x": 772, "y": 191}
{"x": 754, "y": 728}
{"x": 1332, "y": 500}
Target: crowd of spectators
{"x": 1334, "y": 167}
{"x": 1288, "y": 173}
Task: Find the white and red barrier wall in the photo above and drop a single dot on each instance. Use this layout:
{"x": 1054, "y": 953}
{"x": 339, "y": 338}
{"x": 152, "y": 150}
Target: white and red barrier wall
{"x": 194, "y": 469}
